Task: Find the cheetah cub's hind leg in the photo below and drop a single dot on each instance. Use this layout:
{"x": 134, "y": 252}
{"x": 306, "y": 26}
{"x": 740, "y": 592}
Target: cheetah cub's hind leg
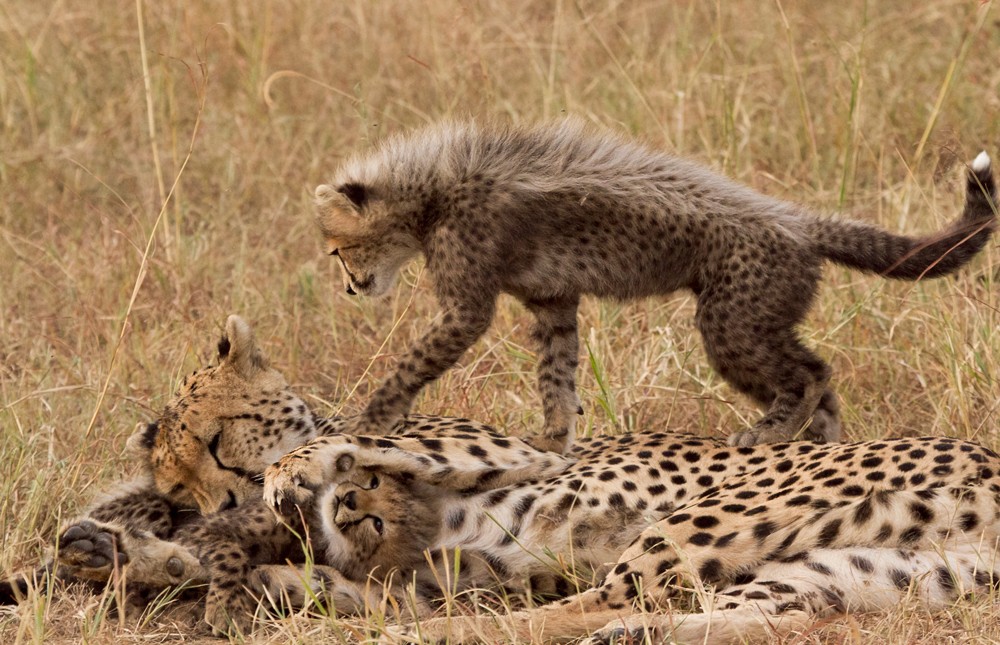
{"x": 748, "y": 320}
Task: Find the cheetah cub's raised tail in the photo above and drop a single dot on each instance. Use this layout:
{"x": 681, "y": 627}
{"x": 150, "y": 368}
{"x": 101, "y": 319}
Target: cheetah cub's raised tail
{"x": 867, "y": 248}
{"x": 557, "y": 211}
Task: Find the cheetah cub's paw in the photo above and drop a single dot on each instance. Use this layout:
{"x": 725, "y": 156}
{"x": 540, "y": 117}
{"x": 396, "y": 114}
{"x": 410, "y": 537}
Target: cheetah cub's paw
{"x": 93, "y": 550}
{"x": 296, "y": 477}
{"x": 755, "y": 436}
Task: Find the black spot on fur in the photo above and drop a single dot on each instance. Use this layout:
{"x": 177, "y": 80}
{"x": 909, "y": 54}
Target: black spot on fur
{"x": 945, "y": 579}
{"x": 968, "y": 521}
{"x": 819, "y": 567}
{"x": 764, "y": 529}
{"x": 781, "y": 587}
{"x": 829, "y": 533}
{"x": 711, "y": 570}
{"x": 900, "y": 578}
{"x": 706, "y": 522}
{"x": 911, "y": 535}
{"x": 921, "y": 512}
{"x": 862, "y": 564}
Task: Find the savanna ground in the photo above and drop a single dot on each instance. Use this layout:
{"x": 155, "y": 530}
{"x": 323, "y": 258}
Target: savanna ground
{"x": 155, "y": 179}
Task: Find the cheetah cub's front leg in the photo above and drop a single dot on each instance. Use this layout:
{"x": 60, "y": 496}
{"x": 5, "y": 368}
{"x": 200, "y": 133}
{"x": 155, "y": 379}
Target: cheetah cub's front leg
{"x": 438, "y": 350}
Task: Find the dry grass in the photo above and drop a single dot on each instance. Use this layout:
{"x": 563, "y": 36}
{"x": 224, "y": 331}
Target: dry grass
{"x": 866, "y": 108}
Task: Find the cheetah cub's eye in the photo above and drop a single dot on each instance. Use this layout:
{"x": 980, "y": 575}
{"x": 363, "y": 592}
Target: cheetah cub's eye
{"x": 378, "y": 525}
{"x": 373, "y": 484}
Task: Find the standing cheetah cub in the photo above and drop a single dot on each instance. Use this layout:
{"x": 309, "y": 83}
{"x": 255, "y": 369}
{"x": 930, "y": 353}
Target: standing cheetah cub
{"x": 553, "y": 212}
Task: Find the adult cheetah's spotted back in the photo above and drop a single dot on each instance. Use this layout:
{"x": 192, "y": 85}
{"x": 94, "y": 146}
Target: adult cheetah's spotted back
{"x": 783, "y": 532}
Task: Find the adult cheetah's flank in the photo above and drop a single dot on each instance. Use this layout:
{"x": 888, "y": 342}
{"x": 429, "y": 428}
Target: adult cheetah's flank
{"x": 553, "y": 212}
{"x": 782, "y": 533}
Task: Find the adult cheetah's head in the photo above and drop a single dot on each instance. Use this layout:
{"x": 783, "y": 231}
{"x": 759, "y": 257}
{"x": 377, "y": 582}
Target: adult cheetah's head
{"x": 224, "y": 426}
{"x": 362, "y": 230}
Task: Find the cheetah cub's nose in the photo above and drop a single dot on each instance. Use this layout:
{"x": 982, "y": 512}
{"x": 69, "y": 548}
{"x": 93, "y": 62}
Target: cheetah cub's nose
{"x": 350, "y": 501}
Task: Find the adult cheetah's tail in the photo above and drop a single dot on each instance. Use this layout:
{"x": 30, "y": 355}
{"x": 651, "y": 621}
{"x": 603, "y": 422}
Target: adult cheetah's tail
{"x": 867, "y": 248}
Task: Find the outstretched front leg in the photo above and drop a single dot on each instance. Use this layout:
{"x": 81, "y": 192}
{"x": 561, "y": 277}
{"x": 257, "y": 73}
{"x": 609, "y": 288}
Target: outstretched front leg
{"x": 461, "y": 324}
{"x": 230, "y": 544}
{"x": 461, "y": 461}
{"x": 91, "y": 550}
{"x": 129, "y": 530}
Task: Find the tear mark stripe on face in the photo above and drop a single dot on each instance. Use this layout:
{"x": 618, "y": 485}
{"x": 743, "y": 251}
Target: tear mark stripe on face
{"x": 213, "y": 448}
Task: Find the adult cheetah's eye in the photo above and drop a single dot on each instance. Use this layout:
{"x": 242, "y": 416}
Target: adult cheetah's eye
{"x": 335, "y": 252}
{"x": 379, "y": 526}
{"x": 373, "y": 484}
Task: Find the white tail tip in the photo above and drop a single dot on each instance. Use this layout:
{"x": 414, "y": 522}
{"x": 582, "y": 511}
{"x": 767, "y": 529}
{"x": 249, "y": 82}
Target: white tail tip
{"x": 981, "y": 162}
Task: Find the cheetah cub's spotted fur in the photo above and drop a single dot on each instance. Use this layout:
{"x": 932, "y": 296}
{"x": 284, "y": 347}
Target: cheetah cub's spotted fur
{"x": 553, "y": 212}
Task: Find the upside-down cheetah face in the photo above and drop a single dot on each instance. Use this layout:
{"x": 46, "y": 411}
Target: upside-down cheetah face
{"x": 358, "y": 232}
{"x": 226, "y": 424}
{"x": 379, "y": 521}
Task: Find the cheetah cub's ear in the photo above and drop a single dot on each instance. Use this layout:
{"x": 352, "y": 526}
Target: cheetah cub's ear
{"x": 238, "y": 349}
{"x": 338, "y": 212}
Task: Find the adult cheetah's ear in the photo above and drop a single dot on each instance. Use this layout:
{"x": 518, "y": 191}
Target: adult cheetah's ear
{"x": 142, "y": 440}
{"x": 238, "y": 349}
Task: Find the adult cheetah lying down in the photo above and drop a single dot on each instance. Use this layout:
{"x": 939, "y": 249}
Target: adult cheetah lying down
{"x": 784, "y": 533}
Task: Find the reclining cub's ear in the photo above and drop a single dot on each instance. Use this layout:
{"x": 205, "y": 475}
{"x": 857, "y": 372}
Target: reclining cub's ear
{"x": 238, "y": 348}
{"x": 142, "y": 440}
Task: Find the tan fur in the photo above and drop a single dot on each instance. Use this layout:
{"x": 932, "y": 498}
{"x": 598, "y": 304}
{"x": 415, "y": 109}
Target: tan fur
{"x": 558, "y": 211}
{"x": 782, "y": 533}
{"x": 195, "y": 512}
{"x": 779, "y": 532}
